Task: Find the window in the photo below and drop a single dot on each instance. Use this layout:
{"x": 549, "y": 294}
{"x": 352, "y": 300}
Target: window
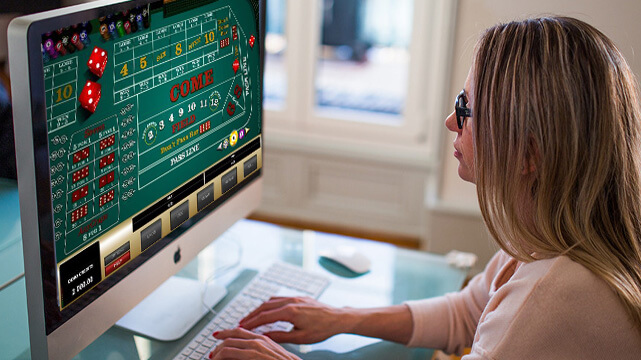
{"x": 363, "y": 59}
{"x": 275, "y": 89}
{"x": 361, "y": 78}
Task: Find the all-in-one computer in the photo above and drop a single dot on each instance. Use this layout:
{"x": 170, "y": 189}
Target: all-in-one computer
{"x": 138, "y": 127}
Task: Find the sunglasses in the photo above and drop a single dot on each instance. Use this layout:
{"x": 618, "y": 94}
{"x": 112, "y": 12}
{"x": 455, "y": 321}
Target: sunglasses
{"x": 461, "y": 109}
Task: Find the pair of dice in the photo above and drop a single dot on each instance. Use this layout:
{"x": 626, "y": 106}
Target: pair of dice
{"x": 90, "y": 95}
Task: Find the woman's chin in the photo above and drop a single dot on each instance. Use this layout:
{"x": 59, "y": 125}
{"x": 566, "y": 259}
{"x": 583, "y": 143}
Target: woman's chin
{"x": 465, "y": 174}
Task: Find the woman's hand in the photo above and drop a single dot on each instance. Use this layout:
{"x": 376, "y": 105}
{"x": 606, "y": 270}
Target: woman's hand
{"x": 241, "y": 344}
{"x": 313, "y": 321}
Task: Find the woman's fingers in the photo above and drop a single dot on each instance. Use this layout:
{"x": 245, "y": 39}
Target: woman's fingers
{"x": 242, "y": 344}
{"x": 238, "y": 333}
{"x": 234, "y": 340}
{"x": 292, "y": 337}
{"x": 234, "y": 353}
{"x": 283, "y": 313}
{"x": 272, "y": 303}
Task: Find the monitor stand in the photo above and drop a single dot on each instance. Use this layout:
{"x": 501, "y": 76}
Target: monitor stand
{"x": 170, "y": 311}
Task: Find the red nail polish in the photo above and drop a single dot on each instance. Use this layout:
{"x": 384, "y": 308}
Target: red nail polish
{"x": 216, "y": 333}
{"x": 211, "y": 355}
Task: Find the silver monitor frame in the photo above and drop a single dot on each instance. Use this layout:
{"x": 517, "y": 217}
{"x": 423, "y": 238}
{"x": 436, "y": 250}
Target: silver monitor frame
{"x": 24, "y": 38}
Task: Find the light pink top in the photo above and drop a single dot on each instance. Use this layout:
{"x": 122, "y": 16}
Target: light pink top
{"x": 547, "y": 309}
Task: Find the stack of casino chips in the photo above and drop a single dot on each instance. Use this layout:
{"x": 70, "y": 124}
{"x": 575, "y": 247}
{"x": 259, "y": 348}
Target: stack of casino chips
{"x": 122, "y": 24}
{"x": 75, "y": 38}
{"x": 65, "y": 41}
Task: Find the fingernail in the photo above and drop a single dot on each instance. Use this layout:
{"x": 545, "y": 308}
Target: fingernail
{"x": 211, "y": 355}
{"x": 216, "y": 333}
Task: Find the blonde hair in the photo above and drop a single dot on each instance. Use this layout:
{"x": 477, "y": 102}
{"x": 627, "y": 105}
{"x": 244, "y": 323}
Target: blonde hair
{"x": 557, "y": 94}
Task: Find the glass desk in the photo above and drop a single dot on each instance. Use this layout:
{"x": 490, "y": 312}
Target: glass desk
{"x": 396, "y": 275}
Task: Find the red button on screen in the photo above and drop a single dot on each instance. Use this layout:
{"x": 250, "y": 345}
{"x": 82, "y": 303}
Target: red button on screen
{"x": 117, "y": 263}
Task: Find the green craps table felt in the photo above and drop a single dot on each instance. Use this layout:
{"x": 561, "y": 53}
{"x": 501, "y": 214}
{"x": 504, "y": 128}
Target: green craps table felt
{"x": 176, "y": 97}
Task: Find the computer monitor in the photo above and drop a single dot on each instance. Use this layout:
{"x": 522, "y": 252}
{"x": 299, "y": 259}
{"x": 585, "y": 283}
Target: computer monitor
{"x": 138, "y": 131}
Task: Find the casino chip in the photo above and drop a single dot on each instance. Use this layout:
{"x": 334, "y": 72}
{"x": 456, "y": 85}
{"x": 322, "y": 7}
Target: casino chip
{"x": 233, "y": 138}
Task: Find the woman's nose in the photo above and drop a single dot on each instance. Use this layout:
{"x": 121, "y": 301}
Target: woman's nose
{"x": 450, "y": 123}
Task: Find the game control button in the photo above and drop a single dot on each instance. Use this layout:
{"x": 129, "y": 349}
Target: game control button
{"x": 205, "y": 197}
{"x": 118, "y": 263}
{"x": 179, "y": 215}
{"x": 118, "y": 253}
{"x": 150, "y": 235}
{"x": 229, "y": 180}
{"x": 250, "y": 165}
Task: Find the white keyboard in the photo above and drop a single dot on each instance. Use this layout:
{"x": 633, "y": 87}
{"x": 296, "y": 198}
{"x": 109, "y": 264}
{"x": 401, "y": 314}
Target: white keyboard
{"x": 279, "y": 280}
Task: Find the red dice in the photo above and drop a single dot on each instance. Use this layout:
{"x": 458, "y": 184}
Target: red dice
{"x": 80, "y": 193}
{"x": 90, "y": 96}
{"x": 97, "y": 61}
{"x": 106, "y": 179}
{"x": 79, "y": 213}
{"x": 81, "y": 155}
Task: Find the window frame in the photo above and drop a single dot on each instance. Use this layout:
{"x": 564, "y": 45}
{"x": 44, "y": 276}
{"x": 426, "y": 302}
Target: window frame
{"x": 299, "y": 126}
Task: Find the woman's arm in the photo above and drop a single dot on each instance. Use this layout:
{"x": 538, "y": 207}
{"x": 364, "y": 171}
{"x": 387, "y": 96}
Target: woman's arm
{"x": 314, "y": 321}
{"x": 447, "y": 322}
{"x": 393, "y": 323}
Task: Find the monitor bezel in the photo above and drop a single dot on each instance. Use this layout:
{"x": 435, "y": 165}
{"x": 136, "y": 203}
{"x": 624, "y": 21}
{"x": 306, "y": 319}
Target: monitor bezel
{"x": 36, "y": 205}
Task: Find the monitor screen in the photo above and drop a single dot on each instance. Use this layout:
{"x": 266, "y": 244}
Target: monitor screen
{"x": 148, "y": 114}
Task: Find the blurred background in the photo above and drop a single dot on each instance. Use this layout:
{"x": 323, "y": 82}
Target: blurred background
{"x": 355, "y": 95}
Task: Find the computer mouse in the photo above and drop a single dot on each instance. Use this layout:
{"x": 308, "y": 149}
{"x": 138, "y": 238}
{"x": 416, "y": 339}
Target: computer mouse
{"x": 348, "y": 257}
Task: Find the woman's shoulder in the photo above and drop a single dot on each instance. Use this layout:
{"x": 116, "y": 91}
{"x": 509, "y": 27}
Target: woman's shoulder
{"x": 561, "y": 288}
{"x": 559, "y": 274}
{"x": 554, "y": 306}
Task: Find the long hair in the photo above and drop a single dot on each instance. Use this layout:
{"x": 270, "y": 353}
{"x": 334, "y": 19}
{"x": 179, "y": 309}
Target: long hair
{"x": 558, "y": 148}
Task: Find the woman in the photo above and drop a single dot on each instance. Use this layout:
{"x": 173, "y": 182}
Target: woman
{"x": 549, "y": 128}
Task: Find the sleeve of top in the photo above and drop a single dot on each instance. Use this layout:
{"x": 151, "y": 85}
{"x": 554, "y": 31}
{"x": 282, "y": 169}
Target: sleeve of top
{"x": 449, "y": 322}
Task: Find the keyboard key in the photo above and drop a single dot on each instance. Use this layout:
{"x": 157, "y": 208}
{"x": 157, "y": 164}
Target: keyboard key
{"x": 202, "y": 350}
{"x": 208, "y": 343}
